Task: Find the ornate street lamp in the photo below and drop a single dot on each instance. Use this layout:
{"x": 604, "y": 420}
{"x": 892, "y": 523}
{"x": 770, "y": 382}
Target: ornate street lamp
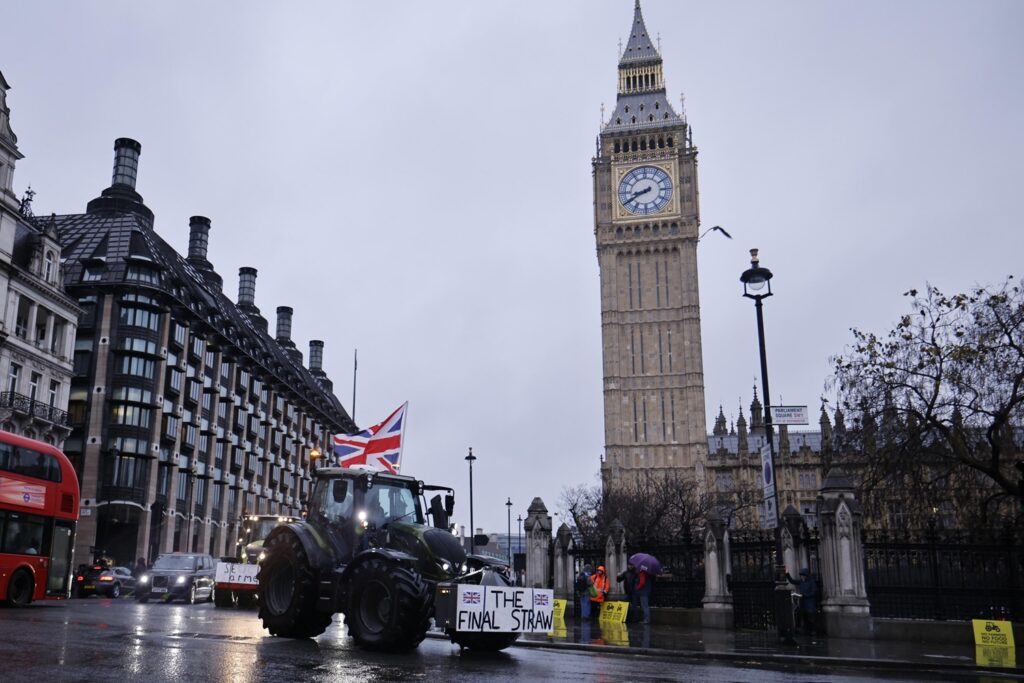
{"x": 472, "y": 529}
{"x": 757, "y": 285}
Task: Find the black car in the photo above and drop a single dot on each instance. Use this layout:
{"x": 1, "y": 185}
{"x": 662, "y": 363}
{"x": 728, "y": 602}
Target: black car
{"x": 178, "y": 576}
{"x": 102, "y": 578}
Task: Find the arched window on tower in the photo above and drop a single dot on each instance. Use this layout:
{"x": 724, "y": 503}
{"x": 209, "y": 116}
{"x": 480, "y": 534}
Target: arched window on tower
{"x": 617, "y": 147}
{"x": 669, "y": 141}
{"x": 643, "y": 144}
{"x": 661, "y": 143}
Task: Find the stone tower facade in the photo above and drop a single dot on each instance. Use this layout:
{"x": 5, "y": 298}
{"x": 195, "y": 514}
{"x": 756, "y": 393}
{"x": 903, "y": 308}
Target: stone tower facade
{"x": 646, "y": 220}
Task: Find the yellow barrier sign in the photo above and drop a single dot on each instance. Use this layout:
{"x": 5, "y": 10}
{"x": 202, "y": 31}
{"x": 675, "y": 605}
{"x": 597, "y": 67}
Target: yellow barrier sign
{"x": 558, "y": 628}
{"x": 559, "y": 610}
{"x": 990, "y": 632}
{"x": 994, "y": 643}
{"x": 615, "y": 612}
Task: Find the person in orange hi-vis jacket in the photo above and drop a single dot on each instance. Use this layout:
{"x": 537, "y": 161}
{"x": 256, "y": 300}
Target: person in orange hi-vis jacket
{"x": 602, "y": 584}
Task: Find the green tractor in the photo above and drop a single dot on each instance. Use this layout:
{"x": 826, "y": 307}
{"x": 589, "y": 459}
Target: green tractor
{"x": 366, "y": 549}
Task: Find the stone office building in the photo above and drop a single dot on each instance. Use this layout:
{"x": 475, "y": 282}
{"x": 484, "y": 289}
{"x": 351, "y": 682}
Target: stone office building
{"x": 37, "y": 319}
{"x": 187, "y": 413}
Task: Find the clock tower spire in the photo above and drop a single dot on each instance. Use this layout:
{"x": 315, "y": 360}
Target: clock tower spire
{"x": 646, "y": 221}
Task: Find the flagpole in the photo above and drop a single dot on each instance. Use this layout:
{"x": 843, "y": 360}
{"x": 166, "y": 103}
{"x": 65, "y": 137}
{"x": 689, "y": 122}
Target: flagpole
{"x": 355, "y": 369}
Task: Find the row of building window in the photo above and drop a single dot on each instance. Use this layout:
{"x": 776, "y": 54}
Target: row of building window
{"x": 33, "y": 386}
{"x": 643, "y": 144}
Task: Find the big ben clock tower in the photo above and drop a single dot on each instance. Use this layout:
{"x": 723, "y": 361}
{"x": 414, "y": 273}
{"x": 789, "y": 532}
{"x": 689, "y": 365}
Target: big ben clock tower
{"x": 645, "y": 221}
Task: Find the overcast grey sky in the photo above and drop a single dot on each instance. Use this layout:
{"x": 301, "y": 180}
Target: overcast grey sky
{"x": 414, "y": 179}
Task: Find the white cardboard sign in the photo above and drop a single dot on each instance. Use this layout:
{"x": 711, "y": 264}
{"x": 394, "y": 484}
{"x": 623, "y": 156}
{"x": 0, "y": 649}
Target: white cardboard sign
{"x": 504, "y": 609}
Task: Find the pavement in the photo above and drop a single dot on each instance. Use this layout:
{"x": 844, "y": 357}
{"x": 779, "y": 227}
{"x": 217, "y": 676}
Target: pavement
{"x": 764, "y": 647}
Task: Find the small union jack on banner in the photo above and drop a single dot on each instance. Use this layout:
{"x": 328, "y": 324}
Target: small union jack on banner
{"x": 471, "y": 598}
{"x": 378, "y": 446}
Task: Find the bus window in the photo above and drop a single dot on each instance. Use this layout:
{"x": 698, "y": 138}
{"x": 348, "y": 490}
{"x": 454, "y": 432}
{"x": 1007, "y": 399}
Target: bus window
{"x": 23, "y": 535}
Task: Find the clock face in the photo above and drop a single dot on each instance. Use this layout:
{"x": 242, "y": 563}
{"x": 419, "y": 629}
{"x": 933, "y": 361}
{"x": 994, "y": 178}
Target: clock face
{"x": 645, "y": 190}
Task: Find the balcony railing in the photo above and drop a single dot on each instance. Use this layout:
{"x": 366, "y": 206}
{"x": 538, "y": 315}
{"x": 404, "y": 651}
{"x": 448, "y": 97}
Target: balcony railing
{"x": 20, "y": 403}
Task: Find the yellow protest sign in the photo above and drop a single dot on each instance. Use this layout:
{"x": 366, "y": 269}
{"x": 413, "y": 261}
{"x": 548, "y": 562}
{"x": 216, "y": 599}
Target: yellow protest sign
{"x": 558, "y": 628}
{"x": 994, "y": 643}
{"x": 991, "y": 632}
{"x": 558, "y": 611}
{"x": 615, "y": 612}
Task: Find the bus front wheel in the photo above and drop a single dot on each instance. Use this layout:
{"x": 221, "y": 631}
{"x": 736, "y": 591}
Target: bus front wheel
{"x": 20, "y": 588}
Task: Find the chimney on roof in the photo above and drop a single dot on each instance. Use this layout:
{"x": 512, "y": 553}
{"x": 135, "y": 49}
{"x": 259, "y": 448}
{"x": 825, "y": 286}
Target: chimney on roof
{"x": 316, "y": 356}
{"x": 284, "y": 325}
{"x": 121, "y": 197}
{"x": 198, "y": 238}
{"x": 246, "y": 286}
{"x": 126, "y": 161}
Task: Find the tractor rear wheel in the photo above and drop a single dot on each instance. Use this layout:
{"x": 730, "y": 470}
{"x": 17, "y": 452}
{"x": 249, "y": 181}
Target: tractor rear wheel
{"x": 388, "y": 607}
{"x": 288, "y": 590}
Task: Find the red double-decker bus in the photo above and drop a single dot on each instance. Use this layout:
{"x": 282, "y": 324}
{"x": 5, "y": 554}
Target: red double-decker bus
{"x": 38, "y": 513}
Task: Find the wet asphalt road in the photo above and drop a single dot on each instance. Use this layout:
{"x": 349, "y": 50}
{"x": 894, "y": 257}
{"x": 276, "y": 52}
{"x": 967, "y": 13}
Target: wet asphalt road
{"x": 119, "y": 640}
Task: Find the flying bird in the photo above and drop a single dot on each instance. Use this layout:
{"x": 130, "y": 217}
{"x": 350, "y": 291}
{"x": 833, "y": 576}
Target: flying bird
{"x": 714, "y": 227}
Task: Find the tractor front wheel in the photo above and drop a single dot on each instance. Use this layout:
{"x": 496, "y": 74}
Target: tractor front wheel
{"x": 388, "y": 607}
{"x": 288, "y": 590}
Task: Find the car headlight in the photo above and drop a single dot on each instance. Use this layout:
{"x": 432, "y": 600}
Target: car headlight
{"x": 181, "y": 580}
{"x": 261, "y": 557}
{"x": 144, "y": 578}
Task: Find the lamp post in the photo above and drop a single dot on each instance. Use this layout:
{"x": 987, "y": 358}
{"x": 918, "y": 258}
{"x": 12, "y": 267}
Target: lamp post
{"x": 757, "y": 285}
{"x": 472, "y": 529}
{"x": 508, "y": 508}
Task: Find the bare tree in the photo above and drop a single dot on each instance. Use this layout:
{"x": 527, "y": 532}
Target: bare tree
{"x": 939, "y": 399}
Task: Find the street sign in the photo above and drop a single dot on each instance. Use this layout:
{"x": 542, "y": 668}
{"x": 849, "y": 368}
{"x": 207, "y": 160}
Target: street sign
{"x": 767, "y": 472}
{"x": 789, "y": 415}
{"x": 771, "y": 514}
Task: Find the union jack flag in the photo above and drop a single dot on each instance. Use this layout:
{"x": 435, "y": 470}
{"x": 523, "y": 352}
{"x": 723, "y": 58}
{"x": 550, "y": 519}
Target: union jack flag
{"x": 379, "y": 445}
{"x": 540, "y": 599}
{"x": 471, "y": 598}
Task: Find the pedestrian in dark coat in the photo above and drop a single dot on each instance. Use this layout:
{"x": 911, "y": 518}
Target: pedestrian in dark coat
{"x": 807, "y": 610}
{"x": 628, "y": 581}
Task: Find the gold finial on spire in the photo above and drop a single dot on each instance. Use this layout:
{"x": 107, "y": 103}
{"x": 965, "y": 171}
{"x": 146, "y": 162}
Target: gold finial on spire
{"x": 602, "y": 113}
{"x": 659, "y": 42}
{"x": 620, "y": 48}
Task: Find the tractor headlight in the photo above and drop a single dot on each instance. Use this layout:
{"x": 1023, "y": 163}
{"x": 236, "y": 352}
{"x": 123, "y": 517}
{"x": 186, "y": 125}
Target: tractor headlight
{"x": 181, "y": 580}
{"x": 144, "y": 578}
{"x": 261, "y": 557}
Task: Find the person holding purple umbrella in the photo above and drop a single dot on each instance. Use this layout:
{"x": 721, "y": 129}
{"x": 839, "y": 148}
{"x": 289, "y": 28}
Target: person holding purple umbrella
{"x": 647, "y": 567}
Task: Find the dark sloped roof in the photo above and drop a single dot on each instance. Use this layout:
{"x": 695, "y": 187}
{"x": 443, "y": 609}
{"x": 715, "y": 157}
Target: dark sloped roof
{"x": 107, "y": 242}
{"x": 640, "y": 48}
